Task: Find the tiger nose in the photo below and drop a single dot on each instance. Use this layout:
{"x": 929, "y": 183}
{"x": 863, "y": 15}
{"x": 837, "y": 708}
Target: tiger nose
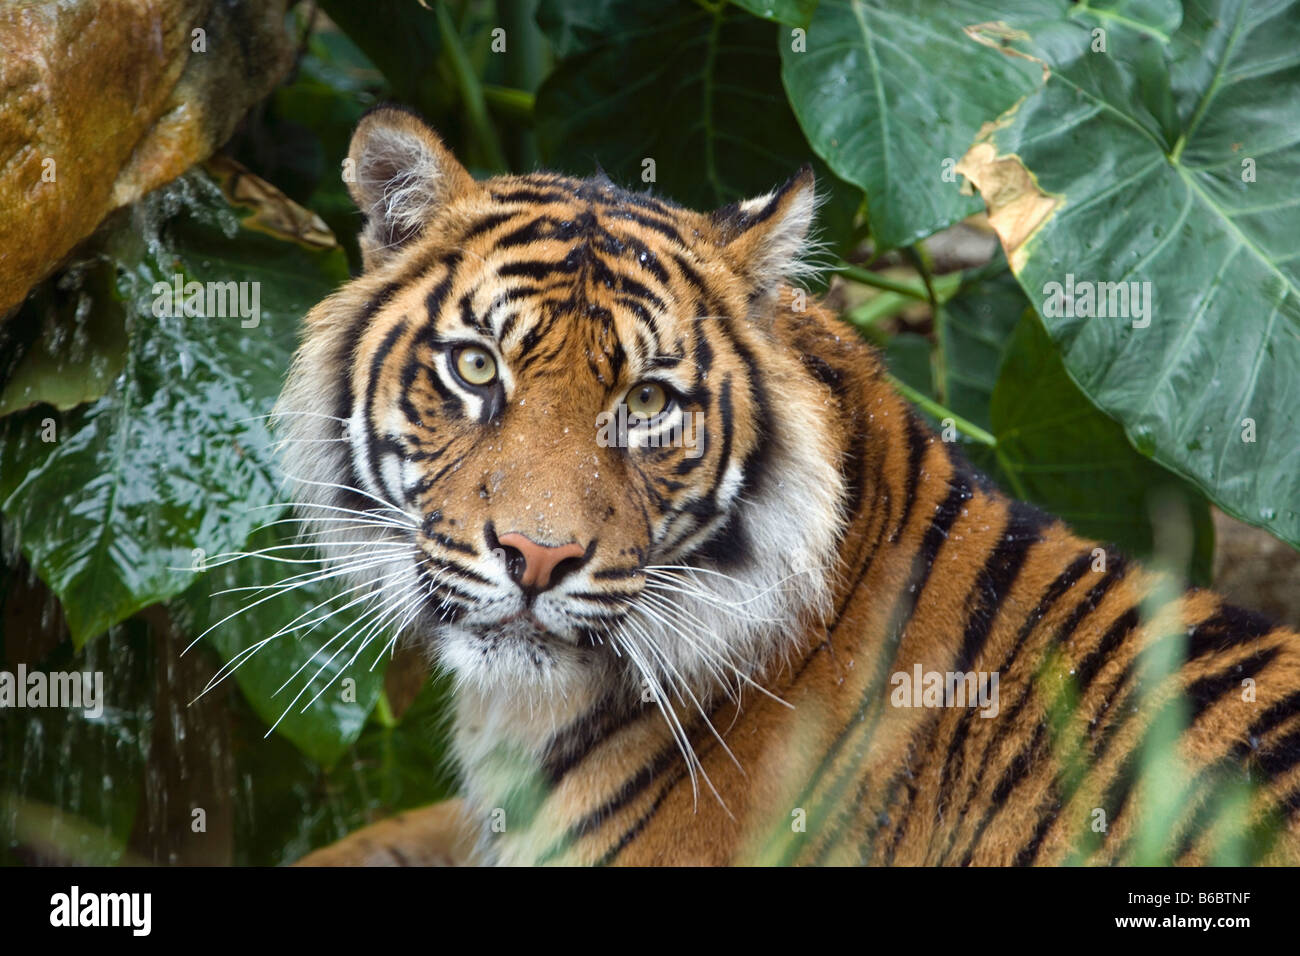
{"x": 534, "y": 568}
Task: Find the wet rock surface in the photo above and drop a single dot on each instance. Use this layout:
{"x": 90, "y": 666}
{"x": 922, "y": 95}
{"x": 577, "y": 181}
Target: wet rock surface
{"x": 102, "y": 101}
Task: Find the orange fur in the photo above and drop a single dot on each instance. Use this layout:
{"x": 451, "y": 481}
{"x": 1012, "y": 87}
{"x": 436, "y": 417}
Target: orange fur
{"x": 932, "y": 567}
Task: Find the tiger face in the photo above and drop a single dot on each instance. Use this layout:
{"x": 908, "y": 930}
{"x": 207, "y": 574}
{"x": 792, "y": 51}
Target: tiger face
{"x": 551, "y": 429}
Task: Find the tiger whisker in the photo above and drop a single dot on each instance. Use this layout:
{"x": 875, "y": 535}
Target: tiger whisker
{"x": 230, "y": 557}
{"x": 239, "y": 659}
{"x": 704, "y": 648}
{"x": 660, "y": 700}
{"x": 275, "y": 593}
{"x": 354, "y": 524}
{"x": 389, "y": 608}
{"x": 385, "y": 505}
{"x": 712, "y": 600}
{"x": 324, "y": 571}
{"x": 659, "y": 614}
{"x": 684, "y": 685}
{"x": 286, "y": 413}
{"x": 370, "y": 515}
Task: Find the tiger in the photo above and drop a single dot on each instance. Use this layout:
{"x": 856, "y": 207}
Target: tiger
{"x": 693, "y": 564}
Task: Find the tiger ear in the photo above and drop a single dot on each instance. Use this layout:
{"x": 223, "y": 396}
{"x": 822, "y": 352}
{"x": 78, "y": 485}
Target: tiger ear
{"x": 765, "y": 237}
{"x": 399, "y": 174}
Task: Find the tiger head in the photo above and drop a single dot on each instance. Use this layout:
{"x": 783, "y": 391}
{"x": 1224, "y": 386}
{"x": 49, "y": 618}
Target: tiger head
{"x": 554, "y": 429}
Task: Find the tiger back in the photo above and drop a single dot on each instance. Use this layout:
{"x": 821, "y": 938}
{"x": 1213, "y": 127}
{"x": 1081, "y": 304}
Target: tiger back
{"x": 711, "y": 592}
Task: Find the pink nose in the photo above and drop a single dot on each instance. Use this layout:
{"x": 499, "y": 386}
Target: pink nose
{"x": 540, "y": 560}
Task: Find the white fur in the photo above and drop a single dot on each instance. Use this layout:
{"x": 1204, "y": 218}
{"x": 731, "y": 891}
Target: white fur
{"x": 402, "y": 177}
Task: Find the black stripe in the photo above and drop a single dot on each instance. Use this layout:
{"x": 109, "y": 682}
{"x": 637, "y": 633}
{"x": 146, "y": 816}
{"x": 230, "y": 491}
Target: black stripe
{"x": 372, "y": 386}
{"x": 936, "y": 533}
{"x": 1055, "y": 591}
{"x": 538, "y": 269}
{"x": 1029, "y": 852}
{"x": 437, "y": 296}
{"x": 636, "y": 828}
{"x": 646, "y": 259}
{"x": 1016, "y": 771}
{"x": 352, "y": 343}
{"x": 575, "y": 742}
{"x": 689, "y": 273}
{"x": 1207, "y": 691}
{"x": 467, "y": 316}
{"x": 662, "y": 226}
{"x": 1276, "y": 715}
{"x": 1115, "y": 636}
{"x": 995, "y": 579}
{"x": 918, "y": 440}
{"x": 1280, "y": 757}
{"x": 451, "y": 544}
{"x": 485, "y": 224}
{"x": 1116, "y": 569}
{"x": 754, "y": 465}
{"x": 886, "y": 510}
{"x": 1228, "y": 627}
{"x": 1202, "y": 694}
{"x": 642, "y": 315}
{"x": 531, "y": 196}
{"x": 627, "y": 793}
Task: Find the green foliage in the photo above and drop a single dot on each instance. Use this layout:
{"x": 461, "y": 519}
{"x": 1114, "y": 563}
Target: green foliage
{"x": 1176, "y": 163}
{"x": 113, "y": 503}
{"x": 161, "y": 459}
{"x": 889, "y": 93}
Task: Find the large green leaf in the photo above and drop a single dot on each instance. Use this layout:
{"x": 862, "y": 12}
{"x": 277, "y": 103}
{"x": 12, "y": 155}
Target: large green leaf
{"x": 574, "y": 26}
{"x": 703, "y": 85}
{"x": 977, "y": 326}
{"x": 77, "y": 349}
{"x": 1054, "y": 448}
{"x": 175, "y": 456}
{"x": 1030, "y": 428}
{"x": 795, "y": 13}
{"x": 891, "y": 94}
{"x": 1171, "y": 166}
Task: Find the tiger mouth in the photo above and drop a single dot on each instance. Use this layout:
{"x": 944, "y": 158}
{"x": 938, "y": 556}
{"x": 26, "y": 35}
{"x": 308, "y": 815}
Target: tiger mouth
{"x": 522, "y": 625}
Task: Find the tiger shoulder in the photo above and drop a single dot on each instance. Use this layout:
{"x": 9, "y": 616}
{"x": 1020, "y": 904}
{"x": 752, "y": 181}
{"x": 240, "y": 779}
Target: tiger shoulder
{"x": 710, "y": 590}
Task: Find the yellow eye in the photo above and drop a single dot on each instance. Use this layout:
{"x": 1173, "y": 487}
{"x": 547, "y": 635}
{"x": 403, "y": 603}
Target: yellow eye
{"x": 646, "y": 400}
{"x": 476, "y": 366}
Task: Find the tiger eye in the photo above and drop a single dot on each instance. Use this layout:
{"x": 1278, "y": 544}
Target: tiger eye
{"x": 476, "y": 366}
{"x": 646, "y": 400}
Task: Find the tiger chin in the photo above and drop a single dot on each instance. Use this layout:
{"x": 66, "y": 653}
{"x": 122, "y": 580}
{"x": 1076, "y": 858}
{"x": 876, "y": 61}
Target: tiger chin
{"x": 678, "y": 640}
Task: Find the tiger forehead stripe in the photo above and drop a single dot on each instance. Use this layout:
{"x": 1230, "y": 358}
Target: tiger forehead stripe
{"x": 582, "y": 250}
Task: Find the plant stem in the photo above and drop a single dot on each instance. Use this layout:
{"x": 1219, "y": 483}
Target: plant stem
{"x": 916, "y": 254}
{"x": 876, "y": 309}
{"x": 471, "y": 91}
{"x": 941, "y": 412}
{"x": 878, "y": 281}
{"x": 516, "y": 104}
{"x": 384, "y": 711}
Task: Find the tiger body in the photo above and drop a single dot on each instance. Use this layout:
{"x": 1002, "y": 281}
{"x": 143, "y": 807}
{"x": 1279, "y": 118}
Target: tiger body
{"x": 715, "y": 670}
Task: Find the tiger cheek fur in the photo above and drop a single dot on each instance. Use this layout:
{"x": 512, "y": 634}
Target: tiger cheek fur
{"x": 670, "y": 636}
